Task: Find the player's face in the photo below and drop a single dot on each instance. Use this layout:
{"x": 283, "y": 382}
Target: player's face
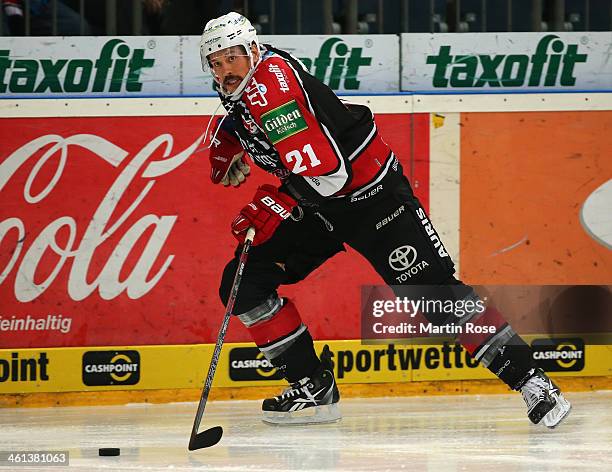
{"x": 229, "y": 66}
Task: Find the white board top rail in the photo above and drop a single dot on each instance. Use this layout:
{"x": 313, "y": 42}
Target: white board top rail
{"x": 400, "y": 103}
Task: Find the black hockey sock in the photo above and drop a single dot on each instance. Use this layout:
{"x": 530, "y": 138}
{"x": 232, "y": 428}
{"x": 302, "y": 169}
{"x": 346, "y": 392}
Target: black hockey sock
{"x": 299, "y": 360}
{"x": 513, "y": 363}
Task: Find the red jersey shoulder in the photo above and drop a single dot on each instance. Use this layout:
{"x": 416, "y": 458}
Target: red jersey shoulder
{"x": 277, "y": 102}
{"x": 273, "y": 84}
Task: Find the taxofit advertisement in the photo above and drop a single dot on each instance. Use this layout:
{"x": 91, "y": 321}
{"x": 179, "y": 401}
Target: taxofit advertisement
{"x": 148, "y": 66}
{"x": 489, "y": 62}
{"x": 98, "y": 66}
{"x": 170, "y": 65}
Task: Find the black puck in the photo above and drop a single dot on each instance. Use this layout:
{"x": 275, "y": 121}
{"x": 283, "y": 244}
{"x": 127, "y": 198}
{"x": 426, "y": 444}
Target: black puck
{"x": 109, "y": 451}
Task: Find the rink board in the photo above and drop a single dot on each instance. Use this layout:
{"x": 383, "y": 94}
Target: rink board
{"x": 505, "y": 177}
{"x": 140, "y": 228}
{"x": 461, "y": 153}
{"x": 241, "y": 365}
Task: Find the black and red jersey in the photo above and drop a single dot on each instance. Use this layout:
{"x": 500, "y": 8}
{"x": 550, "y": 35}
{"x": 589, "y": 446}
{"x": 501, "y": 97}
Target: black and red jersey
{"x": 293, "y": 126}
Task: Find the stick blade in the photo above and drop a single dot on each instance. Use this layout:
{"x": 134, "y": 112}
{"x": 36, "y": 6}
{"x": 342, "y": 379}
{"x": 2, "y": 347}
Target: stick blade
{"x": 207, "y": 438}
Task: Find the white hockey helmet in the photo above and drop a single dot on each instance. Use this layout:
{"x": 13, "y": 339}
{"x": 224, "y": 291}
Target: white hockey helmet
{"x": 224, "y": 32}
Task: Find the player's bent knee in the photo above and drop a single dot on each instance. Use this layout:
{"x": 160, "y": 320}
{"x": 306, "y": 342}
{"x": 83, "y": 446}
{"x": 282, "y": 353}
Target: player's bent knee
{"x": 227, "y": 279}
{"x": 260, "y": 280}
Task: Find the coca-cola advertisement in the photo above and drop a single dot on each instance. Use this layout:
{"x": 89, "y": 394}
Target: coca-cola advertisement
{"x": 111, "y": 233}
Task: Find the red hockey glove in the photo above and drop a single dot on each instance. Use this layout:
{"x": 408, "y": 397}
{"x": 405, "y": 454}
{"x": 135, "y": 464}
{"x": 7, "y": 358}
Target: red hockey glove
{"x": 267, "y": 210}
{"x": 226, "y": 164}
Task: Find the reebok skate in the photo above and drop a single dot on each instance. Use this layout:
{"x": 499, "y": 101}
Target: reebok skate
{"x": 544, "y": 400}
{"x": 311, "y": 400}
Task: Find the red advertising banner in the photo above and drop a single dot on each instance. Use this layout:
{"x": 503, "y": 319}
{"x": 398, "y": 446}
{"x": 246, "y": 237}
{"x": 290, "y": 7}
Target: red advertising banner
{"x": 112, "y": 234}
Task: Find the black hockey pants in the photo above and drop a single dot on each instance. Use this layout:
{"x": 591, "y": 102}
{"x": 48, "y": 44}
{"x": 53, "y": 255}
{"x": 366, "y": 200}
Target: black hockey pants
{"x": 388, "y": 226}
{"x": 385, "y": 223}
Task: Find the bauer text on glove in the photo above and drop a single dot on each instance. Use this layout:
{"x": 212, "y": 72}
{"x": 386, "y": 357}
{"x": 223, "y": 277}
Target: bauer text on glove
{"x": 267, "y": 210}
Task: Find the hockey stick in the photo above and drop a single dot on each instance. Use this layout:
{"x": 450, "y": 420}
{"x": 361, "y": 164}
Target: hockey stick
{"x": 212, "y": 436}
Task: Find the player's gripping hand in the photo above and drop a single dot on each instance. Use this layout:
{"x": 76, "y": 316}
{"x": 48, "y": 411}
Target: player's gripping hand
{"x": 267, "y": 210}
{"x": 237, "y": 173}
{"x": 226, "y": 163}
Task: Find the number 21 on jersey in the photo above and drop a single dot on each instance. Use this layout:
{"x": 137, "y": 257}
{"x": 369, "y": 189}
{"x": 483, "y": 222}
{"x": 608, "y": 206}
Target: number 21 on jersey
{"x": 297, "y": 157}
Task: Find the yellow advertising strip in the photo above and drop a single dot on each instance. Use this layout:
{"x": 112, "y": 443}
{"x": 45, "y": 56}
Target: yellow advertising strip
{"x": 167, "y": 367}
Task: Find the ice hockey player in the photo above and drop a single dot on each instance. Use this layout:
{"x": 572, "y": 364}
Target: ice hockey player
{"x": 337, "y": 180}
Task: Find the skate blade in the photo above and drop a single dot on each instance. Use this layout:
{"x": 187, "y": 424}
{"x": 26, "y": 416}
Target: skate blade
{"x": 317, "y": 415}
{"x": 558, "y": 413}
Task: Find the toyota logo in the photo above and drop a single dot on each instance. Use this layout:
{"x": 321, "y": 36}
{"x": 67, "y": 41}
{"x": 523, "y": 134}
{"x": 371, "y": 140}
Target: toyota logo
{"x": 402, "y": 258}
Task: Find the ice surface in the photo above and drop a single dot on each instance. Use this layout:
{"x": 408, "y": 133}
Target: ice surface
{"x": 450, "y": 433}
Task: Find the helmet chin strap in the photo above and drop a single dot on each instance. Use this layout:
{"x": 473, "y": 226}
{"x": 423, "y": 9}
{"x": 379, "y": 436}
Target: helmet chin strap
{"x": 236, "y": 94}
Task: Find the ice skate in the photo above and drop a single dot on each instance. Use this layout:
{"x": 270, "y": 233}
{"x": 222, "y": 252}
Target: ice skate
{"x": 544, "y": 400}
{"x": 311, "y": 400}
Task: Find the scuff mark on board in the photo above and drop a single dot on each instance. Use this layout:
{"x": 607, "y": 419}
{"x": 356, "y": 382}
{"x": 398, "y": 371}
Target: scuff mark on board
{"x": 511, "y": 247}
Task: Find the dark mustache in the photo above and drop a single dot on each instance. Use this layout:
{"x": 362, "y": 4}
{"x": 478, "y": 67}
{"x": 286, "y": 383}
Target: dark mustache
{"x": 231, "y": 77}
